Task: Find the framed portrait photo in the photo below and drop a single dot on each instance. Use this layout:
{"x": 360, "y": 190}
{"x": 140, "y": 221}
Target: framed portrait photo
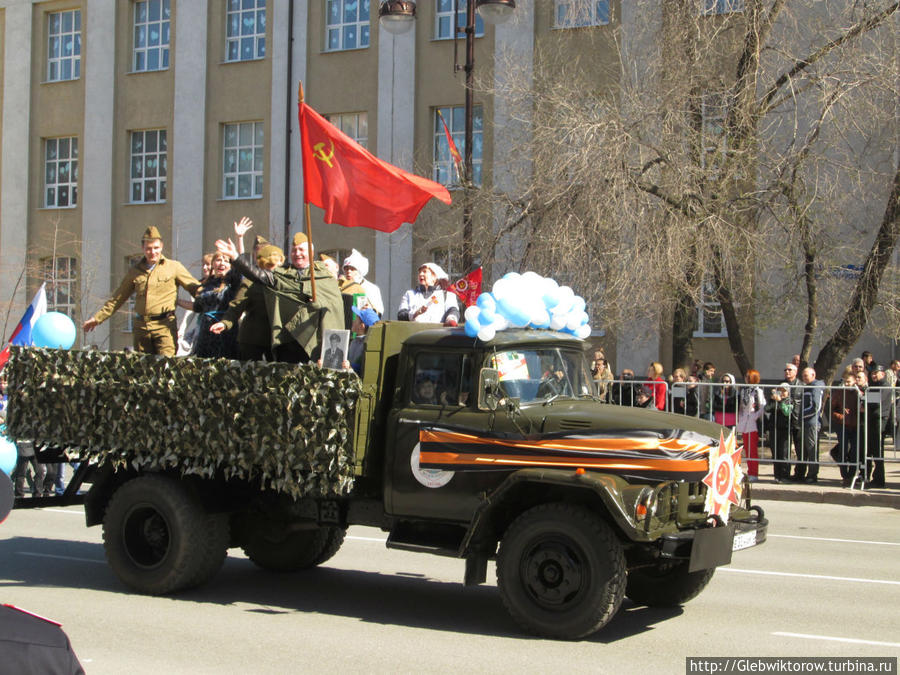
{"x": 334, "y": 348}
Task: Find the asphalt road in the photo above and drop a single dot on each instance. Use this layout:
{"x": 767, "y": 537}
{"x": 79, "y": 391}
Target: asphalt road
{"x": 827, "y": 583}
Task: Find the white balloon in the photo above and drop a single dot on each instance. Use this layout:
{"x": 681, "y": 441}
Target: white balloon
{"x": 557, "y": 321}
{"x": 499, "y": 322}
{"x": 487, "y": 333}
{"x": 540, "y": 316}
{"x": 472, "y": 313}
{"x": 583, "y": 331}
{"x": 578, "y": 303}
{"x": 501, "y": 288}
{"x": 573, "y": 321}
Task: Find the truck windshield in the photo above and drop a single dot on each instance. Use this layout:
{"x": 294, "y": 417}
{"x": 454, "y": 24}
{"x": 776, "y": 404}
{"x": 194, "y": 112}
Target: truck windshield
{"x": 541, "y": 374}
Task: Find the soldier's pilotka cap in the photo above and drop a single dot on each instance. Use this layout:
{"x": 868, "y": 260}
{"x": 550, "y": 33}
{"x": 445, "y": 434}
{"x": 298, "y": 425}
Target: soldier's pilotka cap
{"x": 151, "y": 233}
{"x": 260, "y": 241}
{"x": 300, "y": 238}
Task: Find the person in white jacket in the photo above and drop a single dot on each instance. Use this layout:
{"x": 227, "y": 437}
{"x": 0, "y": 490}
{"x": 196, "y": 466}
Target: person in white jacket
{"x": 356, "y": 267}
{"x": 751, "y": 405}
{"x": 430, "y": 301}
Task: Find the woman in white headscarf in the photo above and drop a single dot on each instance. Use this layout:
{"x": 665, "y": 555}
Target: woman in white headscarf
{"x": 430, "y": 301}
{"x": 356, "y": 267}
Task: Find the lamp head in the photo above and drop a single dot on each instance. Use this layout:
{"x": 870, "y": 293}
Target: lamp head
{"x": 495, "y": 11}
{"x": 397, "y": 16}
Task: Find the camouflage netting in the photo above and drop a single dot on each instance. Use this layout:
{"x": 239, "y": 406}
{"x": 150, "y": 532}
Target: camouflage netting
{"x": 288, "y": 426}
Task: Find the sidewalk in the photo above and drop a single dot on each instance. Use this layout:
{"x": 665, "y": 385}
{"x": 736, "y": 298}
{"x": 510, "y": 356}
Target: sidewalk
{"x": 828, "y": 490}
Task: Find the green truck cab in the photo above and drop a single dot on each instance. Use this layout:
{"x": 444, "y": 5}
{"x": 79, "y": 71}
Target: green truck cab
{"x": 479, "y": 451}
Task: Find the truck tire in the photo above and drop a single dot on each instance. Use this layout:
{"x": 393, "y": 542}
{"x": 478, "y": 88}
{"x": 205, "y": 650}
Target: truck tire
{"x": 293, "y": 551}
{"x": 666, "y": 585}
{"x": 561, "y": 571}
{"x": 159, "y": 539}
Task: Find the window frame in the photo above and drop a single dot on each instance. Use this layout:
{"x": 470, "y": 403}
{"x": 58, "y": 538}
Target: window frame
{"x": 719, "y": 7}
{"x": 71, "y": 184}
{"x": 445, "y": 257}
{"x": 258, "y": 158}
{"x": 363, "y": 26}
{"x": 709, "y": 305}
{"x": 440, "y": 164}
{"x": 576, "y": 16}
{"x": 340, "y": 120}
{"x": 50, "y": 269}
{"x": 74, "y": 60}
{"x": 258, "y": 38}
{"x": 448, "y": 14}
{"x": 161, "y": 155}
{"x": 164, "y": 24}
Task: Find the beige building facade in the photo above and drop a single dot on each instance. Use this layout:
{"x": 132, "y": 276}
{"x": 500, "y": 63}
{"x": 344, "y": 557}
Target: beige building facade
{"x": 119, "y": 114}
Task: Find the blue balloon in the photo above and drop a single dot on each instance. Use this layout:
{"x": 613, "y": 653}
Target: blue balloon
{"x": 54, "y": 330}
{"x": 472, "y": 328}
{"x": 8, "y": 456}
{"x": 486, "y": 301}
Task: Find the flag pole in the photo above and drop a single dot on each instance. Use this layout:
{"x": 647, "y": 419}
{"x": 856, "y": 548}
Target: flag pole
{"x": 309, "y": 240}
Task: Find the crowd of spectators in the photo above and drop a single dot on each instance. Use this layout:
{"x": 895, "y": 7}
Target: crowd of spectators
{"x": 859, "y": 412}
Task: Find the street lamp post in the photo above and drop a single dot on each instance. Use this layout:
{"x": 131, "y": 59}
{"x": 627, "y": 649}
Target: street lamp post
{"x": 397, "y": 16}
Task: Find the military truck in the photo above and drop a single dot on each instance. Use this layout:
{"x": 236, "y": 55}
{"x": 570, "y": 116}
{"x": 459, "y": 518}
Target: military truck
{"x": 476, "y": 450}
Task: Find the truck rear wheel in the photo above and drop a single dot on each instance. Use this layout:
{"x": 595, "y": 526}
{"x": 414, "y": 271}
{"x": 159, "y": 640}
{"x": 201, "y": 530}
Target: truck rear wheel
{"x": 666, "y": 585}
{"x": 561, "y": 571}
{"x": 293, "y": 551}
{"x": 159, "y": 539}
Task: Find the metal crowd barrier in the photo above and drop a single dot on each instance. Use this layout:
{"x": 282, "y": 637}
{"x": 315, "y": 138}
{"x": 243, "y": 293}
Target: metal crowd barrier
{"x": 866, "y": 433}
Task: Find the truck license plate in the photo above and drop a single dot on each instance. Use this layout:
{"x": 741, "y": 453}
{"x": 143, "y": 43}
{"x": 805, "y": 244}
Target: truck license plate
{"x": 744, "y": 540}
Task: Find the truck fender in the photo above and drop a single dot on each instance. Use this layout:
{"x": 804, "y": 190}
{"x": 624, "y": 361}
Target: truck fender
{"x": 607, "y": 494}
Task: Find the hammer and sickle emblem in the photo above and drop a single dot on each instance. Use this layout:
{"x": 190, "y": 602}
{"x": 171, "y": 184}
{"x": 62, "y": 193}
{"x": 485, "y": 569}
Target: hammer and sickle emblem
{"x": 319, "y": 152}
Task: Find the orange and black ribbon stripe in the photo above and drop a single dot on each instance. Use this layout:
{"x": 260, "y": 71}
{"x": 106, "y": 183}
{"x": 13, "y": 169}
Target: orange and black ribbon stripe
{"x": 635, "y": 453}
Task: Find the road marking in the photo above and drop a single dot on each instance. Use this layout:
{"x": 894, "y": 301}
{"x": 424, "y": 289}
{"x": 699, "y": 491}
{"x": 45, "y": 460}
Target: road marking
{"x": 380, "y": 540}
{"x": 842, "y": 541}
{"x": 61, "y": 557}
{"x": 838, "y": 639}
{"x": 77, "y": 512}
{"x": 810, "y": 576}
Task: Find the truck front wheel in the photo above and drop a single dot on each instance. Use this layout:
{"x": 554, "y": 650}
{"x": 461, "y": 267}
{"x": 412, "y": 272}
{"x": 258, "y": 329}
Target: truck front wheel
{"x": 159, "y": 539}
{"x": 561, "y": 571}
{"x": 666, "y": 585}
{"x": 292, "y": 551}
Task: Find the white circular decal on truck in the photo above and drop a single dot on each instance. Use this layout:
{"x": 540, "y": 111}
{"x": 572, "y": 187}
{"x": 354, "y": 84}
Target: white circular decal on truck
{"x": 430, "y": 478}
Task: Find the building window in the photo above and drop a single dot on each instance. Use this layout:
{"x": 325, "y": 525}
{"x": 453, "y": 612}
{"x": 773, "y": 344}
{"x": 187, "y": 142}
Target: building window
{"x": 152, "y": 19}
{"x": 339, "y": 255}
{"x": 242, "y": 160}
{"x": 347, "y": 25}
{"x": 443, "y": 20}
{"x": 61, "y": 277}
{"x": 64, "y": 45}
{"x": 148, "y": 166}
{"x": 722, "y": 6}
{"x": 245, "y": 32}
{"x": 714, "y": 139}
{"x": 445, "y": 167}
{"x": 710, "y": 322}
{"x": 450, "y": 260}
{"x": 355, "y": 125}
{"x": 581, "y": 13}
{"x": 60, "y": 172}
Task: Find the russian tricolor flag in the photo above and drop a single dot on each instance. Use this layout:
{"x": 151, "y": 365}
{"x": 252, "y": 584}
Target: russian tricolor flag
{"x": 22, "y": 334}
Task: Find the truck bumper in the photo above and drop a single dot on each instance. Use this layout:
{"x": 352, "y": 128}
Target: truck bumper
{"x": 713, "y": 546}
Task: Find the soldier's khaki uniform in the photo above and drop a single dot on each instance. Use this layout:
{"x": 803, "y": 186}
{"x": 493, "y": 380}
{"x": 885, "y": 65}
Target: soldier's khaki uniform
{"x": 155, "y": 291}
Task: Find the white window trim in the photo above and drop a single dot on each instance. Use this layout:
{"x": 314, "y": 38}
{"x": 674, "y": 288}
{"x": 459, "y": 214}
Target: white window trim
{"x": 76, "y": 43}
{"x": 713, "y": 114}
{"x": 162, "y": 181}
{"x": 341, "y": 120}
{"x": 237, "y": 173}
{"x": 340, "y": 28}
{"x": 257, "y": 36}
{"x": 708, "y": 303}
{"x": 438, "y": 15}
{"x": 163, "y": 47}
{"x": 51, "y": 273}
{"x": 72, "y": 183}
{"x": 440, "y": 139}
{"x": 448, "y": 257}
{"x": 717, "y": 7}
{"x": 594, "y": 19}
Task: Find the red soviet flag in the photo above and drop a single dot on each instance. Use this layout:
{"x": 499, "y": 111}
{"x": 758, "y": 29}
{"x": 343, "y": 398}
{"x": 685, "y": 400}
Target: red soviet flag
{"x": 468, "y": 288}
{"x": 353, "y": 186}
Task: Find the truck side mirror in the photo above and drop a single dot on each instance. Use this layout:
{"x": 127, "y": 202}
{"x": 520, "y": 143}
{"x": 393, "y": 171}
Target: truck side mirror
{"x": 489, "y": 394}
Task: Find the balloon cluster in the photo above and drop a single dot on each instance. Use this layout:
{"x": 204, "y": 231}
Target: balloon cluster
{"x": 527, "y": 300}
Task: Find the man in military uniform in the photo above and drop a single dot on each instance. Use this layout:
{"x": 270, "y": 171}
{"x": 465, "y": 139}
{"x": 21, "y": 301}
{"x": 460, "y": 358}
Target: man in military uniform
{"x": 154, "y": 281}
{"x": 297, "y": 321}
